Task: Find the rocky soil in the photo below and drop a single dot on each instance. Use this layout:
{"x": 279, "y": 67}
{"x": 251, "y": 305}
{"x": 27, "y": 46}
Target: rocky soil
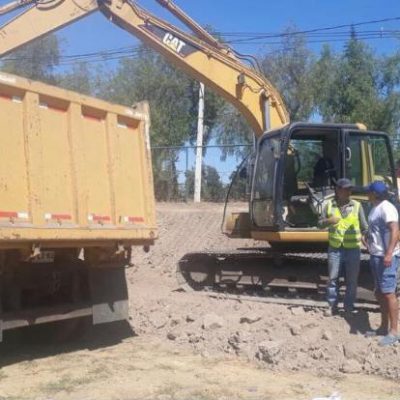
{"x": 279, "y": 337}
{"x": 189, "y": 346}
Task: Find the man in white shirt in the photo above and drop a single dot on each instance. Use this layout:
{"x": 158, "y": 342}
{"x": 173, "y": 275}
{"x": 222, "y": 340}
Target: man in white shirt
{"x": 383, "y": 246}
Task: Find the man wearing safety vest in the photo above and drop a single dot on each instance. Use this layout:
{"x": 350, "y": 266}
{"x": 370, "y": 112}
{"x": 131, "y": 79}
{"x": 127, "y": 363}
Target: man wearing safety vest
{"x": 346, "y": 223}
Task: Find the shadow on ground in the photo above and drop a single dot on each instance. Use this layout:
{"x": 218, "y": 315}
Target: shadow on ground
{"x": 32, "y": 343}
{"x": 358, "y": 323}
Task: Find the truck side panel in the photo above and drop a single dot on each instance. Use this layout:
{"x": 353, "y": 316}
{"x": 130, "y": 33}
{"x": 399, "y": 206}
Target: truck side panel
{"x": 76, "y": 193}
{"x": 50, "y": 162}
{"x": 13, "y": 175}
{"x": 73, "y": 168}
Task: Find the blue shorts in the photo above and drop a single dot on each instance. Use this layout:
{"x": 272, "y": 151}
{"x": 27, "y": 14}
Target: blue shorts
{"x": 385, "y": 278}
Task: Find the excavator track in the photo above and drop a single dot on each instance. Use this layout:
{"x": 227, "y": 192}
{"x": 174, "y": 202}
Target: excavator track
{"x": 267, "y": 276}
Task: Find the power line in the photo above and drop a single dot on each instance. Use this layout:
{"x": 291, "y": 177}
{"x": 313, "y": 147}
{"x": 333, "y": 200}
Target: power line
{"x": 345, "y": 33}
{"x": 332, "y": 35}
{"x": 136, "y": 52}
{"x": 320, "y": 41}
{"x": 313, "y": 36}
{"x": 328, "y": 28}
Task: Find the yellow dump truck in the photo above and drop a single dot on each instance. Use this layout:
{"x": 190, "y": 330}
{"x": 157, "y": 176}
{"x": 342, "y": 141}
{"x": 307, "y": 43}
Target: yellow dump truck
{"x": 76, "y": 193}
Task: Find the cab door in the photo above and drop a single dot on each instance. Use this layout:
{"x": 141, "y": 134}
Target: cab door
{"x": 264, "y": 199}
{"x": 367, "y": 158}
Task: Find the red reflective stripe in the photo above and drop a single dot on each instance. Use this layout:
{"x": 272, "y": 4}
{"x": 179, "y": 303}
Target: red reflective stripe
{"x": 14, "y": 214}
{"x": 136, "y": 219}
{"x": 61, "y": 216}
{"x": 8, "y": 214}
{"x": 98, "y": 119}
{"x": 100, "y": 217}
{"x": 131, "y": 219}
{"x": 60, "y": 110}
{"x": 5, "y": 96}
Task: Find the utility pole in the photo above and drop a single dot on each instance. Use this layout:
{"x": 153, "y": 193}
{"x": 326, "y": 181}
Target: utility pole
{"x": 199, "y": 147}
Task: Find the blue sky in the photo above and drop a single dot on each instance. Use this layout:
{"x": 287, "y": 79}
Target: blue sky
{"x": 96, "y": 33}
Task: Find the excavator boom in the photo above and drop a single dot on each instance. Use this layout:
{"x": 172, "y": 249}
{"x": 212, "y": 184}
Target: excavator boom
{"x": 40, "y": 19}
{"x": 203, "y": 57}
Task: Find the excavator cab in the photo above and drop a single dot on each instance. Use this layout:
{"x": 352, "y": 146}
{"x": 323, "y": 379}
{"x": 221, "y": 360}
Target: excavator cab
{"x": 294, "y": 174}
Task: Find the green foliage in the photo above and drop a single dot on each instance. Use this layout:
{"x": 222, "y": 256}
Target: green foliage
{"x": 173, "y": 99}
{"x": 323, "y": 76}
{"x": 239, "y": 187}
{"x": 79, "y": 79}
{"x": 289, "y": 70}
{"x": 358, "y": 86}
{"x": 35, "y": 60}
{"x": 353, "y": 94}
{"x": 168, "y": 91}
{"x": 232, "y": 129}
{"x": 389, "y": 93}
{"x": 170, "y": 95}
{"x": 212, "y": 189}
{"x": 166, "y": 185}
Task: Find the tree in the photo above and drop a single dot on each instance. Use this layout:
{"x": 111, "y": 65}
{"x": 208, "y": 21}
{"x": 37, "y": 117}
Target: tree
{"x": 389, "y": 92}
{"x": 148, "y": 77}
{"x": 232, "y": 129}
{"x": 355, "y": 97}
{"x": 79, "y": 79}
{"x": 289, "y": 70}
{"x": 212, "y": 189}
{"x": 173, "y": 98}
{"x": 169, "y": 93}
{"x": 323, "y": 76}
{"x": 36, "y": 60}
{"x": 358, "y": 86}
{"x": 240, "y": 187}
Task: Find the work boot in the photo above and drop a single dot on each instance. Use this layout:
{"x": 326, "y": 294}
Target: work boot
{"x": 381, "y": 331}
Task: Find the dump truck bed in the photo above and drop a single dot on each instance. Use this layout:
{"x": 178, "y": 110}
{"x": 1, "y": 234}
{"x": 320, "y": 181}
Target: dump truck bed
{"x": 74, "y": 170}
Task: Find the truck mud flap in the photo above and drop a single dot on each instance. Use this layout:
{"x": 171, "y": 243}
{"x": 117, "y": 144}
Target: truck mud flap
{"x": 109, "y": 294}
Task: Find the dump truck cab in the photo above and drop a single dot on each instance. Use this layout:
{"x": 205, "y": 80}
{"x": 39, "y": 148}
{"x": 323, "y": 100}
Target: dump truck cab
{"x": 293, "y": 175}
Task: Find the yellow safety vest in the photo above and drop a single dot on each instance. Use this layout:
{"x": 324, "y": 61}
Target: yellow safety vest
{"x": 347, "y": 231}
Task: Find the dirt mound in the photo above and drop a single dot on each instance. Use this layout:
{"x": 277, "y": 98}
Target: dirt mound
{"x": 189, "y": 346}
{"x": 277, "y": 337}
{"x": 185, "y": 228}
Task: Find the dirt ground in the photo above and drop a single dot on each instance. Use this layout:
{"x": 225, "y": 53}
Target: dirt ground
{"x": 187, "y": 346}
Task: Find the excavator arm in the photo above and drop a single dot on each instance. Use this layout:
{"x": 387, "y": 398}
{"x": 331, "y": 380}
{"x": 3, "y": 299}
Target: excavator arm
{"x": 201, "y": 57}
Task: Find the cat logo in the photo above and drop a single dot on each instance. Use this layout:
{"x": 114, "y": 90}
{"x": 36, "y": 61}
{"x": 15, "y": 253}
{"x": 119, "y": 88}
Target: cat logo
{"x": 177, "y": 45}
{"x": 173, "y": 42}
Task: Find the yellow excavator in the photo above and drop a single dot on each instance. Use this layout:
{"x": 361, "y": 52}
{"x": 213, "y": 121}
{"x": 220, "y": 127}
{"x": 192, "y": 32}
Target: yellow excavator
{"x": 294, "y": 166}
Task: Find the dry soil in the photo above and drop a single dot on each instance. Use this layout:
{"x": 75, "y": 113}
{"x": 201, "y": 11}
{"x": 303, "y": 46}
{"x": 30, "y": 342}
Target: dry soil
{"x": 186, "y": 346}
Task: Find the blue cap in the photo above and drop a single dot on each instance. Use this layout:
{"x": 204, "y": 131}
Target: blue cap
{"x": 377, "y": 187}
{"x": 344, "y": 183}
